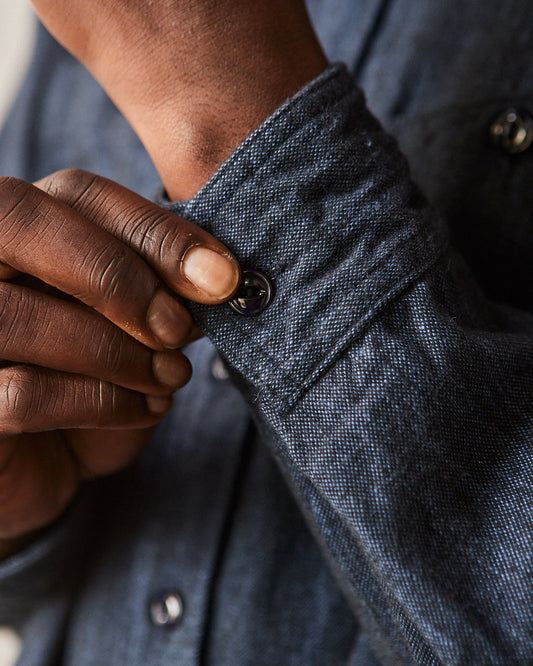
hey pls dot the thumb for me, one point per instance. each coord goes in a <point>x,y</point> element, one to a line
<point>193,263</point>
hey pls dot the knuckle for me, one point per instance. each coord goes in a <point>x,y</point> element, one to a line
<point>10,186</point>
<point>8,183</point>
<point>8,317</point>
<point>14,193</point>
<point>110,273</point>
<point>18,313</point>
<point>6,304</point>
<point>25,217</point>
<point>147,229</point>
<point>100,398</point>
<point>112,353</point>
<point>19,398</point>
<point>70,184</point>
<point>115,281</point>
<point>158,236</point>
<point>104,274</point>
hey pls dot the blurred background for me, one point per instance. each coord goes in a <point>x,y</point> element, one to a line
<point>16,40</point>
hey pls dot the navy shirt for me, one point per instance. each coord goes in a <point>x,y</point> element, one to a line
<point>357,489</point>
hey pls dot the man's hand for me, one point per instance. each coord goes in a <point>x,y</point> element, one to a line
<point>90,327</point>
<point>193,77</point>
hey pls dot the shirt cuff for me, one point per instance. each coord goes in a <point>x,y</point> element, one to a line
<point>319,200</point>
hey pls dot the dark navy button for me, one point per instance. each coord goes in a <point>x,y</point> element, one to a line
<point>512,131</point>
<point>253,295</point>
<point>166,610</point>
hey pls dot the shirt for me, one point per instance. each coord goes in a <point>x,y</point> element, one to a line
<point>359,490</point>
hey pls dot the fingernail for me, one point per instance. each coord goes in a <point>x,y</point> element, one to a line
<point>168,320</point>
<point>168,369</point>
<point>158,404</point>
<point>211,272</point>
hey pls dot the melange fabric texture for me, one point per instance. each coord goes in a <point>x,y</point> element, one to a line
<point>348,477</point>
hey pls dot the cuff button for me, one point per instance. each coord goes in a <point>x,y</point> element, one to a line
<point>254,294</point>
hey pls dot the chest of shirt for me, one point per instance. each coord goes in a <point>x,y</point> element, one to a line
<point>439,76</point>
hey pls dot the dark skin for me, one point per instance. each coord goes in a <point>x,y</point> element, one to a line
<point>193,77</point>
<point>86,378</point>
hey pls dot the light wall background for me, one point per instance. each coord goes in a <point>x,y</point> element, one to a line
<point>16,40</point>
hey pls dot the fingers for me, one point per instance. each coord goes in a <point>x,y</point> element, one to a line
<point>35,399</point>
<point>45,238</point>
<point>38,477</point>
<point>192,262</point>
<point>109,452</point>
<point>41,472</point>
<point>45,331</point>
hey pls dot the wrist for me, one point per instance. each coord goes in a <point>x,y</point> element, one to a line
<point>194,79</point>
<point>191,118</point>
<point>188,139</point>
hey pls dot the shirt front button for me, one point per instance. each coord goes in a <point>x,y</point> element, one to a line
<point>166,610</point>
<point>512,131</point>
<point>253,295</point>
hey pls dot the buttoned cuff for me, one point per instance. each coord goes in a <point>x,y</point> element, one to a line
<point>318,200</point>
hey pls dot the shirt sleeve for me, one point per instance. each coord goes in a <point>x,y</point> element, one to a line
<point>397,398</point>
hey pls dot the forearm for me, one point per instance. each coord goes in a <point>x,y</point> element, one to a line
<point>193,79</point>
<point>190,135</point>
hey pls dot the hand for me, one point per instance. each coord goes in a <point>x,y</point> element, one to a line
<point>90,328</point>
<point>193,77</point>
